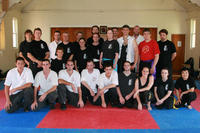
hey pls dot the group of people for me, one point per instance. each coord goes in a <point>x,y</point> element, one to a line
<point>129,71</point>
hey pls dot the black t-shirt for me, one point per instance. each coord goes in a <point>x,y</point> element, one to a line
<point>38,49</point>
<point>90,41</point>
<point>167,48</point>
<point>57,65</point>
<point>25,48</point>
<point>68,50</point>
<point>81,56</point>
<point>94,51</point>
<point>167,85</point>
<point>126,83</point>
<point>109,49</point>
<point>185,85</point>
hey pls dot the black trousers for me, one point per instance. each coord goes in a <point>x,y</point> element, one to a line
<point>111,97</point>
<point>168,103</point>
<point>64,94</point>
<point>50,99</point>
<point>21,99</point>
<point>146,96</point>
<point>188,98</point>
<point>87,96</point>
<point>34,68</point>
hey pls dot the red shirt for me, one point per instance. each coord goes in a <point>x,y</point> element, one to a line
<point>148,50</point>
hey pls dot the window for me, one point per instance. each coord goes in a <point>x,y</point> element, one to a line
<point>192,33</point>
<point>15,32</point>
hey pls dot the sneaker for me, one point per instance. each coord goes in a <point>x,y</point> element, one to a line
<point>52,106</point>
<point>63,106</point>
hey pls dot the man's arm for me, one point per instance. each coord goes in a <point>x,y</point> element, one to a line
<point>136,52</point>
<point>21,87</point>
<point>21,55</point>
<point>173,56</point>
<point>47,55</point>
<point>154,63</point>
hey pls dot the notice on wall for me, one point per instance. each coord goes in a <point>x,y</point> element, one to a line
<point>179,43</point>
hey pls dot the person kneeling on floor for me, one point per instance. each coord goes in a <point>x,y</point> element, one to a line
<point>163,90</point>
<point>108,81</point>
<point>69,87</point>
<point>46,81</point>
<point>126,86</point>
<point>142,90</point>
<point>18,87</point>
<point>89,79</point>
<point>186,85</point>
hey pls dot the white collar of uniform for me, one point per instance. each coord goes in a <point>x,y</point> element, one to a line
<point>57,43</point>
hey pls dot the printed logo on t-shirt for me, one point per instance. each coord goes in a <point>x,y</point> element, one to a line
<point>63,65</point>
<point>166,87</point>
<point>130,82</point>
<point>42,46</point>
<point>145,49</point>
<point>110,46</point>
<point>165,48</point>
<point>187,86</point>
<point>68,50</point>
<point>84,56</point>
<point>98,53</point>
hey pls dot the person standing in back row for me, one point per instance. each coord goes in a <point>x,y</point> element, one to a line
<point>149,53</point>
<point>95,29</point>
<point>53,45</point>
<point>167,53</point>
<point>37,52</point>
<point>128,49</point>
<point>110,51</point>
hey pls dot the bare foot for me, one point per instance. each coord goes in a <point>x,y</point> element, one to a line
<point>104,105</point>
<point>189,107</point>
<point>95,98</point>
<point>149,108</point>
<point>139,106</point>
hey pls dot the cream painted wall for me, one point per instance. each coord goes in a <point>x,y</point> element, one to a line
<point>74,13</point>
<point>8,55</point>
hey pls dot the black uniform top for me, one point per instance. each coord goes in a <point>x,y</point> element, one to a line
<point>167,48</point>
<point>145,85</point>
<point>81,56</point>
<point>126,83</point>
<point>90,41</point>
<point>123,53</point>
<point>57,65</point>
<point>38,49</point>
<point>167,85</point>
<point>95,51</point>
<point>185,85</point>
<point>25,48</point>
<point>68,50</point>
<point>110,48</point>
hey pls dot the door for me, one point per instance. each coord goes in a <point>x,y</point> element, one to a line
<point>179,42</point>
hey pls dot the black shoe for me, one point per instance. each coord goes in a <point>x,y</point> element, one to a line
<point>26,110</point>
<point>179,105</point>
<point>52,106</point>
<point>63,107</point>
